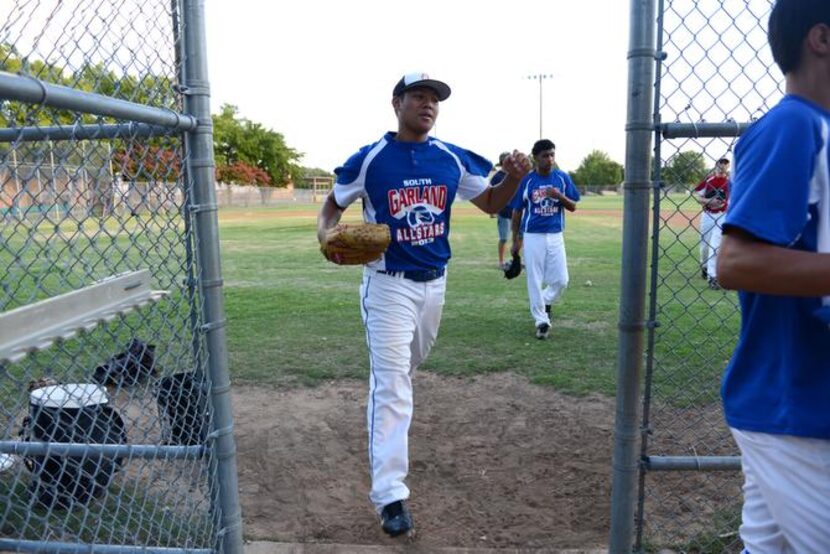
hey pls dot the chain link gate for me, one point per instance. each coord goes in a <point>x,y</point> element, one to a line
<point>712,75</point>
<point>114,388</point>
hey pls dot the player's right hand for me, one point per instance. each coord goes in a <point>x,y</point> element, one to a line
<point>517,164</point>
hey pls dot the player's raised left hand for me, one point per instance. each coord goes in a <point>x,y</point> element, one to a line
<point>516,164</point>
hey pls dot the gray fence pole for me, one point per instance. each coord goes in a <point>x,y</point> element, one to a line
<point>637,189</point>
<point>200,167</point>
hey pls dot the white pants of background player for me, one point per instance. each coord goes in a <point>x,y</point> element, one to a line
<point>401,318</point>
<point>786,493</point>
<point>710,237</point>
<point>545,264</point>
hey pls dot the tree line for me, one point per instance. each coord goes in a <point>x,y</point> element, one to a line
<point>245,151</point>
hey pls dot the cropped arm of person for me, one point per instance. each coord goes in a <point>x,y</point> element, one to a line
<point>328,218</point>
<point>494,198</point>
<point>746,263</point>
<point>514,226</point>
<point>557,194</point>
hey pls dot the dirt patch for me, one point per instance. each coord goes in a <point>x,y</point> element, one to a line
<point>495,462</point>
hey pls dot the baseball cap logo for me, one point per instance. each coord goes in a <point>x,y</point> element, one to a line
<point>411,80</point>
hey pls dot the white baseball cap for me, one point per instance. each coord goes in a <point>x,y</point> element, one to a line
<point>412,80</point>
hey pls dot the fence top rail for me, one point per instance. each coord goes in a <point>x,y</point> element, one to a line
<point>83,132</point>
<point>25,88</point>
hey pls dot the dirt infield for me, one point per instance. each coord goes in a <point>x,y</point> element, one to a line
<point>496,462</point>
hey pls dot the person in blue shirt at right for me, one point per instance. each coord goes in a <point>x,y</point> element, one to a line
<point>538,224</point>
<point>776,253</point>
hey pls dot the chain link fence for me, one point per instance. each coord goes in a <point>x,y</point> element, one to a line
<point>714,76</point>
<point>115,429</point>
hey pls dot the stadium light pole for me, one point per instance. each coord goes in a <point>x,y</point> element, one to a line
<point>540,77</point>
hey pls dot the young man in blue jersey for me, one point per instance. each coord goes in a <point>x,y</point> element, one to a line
<point>776,253</point>
<point>408,181</point>
<point>539,218</point>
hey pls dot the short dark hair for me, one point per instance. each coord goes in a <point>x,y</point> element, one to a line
<point>542,145</point>
<point>789,23</point>
<point>723,161</point>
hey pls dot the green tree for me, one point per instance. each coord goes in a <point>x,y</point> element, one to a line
<point>236,139</point>
<point>597,168</point>
<point>684,168</point>
<point>316,172</point>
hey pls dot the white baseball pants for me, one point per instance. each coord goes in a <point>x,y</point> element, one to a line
<point>786,493</point>
<point>710,237</point>
<point>401,318</point>
<point>545,264</point>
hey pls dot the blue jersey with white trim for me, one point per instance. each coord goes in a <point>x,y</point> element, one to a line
<point>543,214</point>
<point>778,379</point>
<point>411,186</point>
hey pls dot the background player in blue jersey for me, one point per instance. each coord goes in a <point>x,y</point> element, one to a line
<point>408,181</point>
<point>776,252</point>
<point>505,216</point>
<point>538,215</point>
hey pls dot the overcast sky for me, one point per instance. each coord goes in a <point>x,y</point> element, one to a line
<point>321,72</point>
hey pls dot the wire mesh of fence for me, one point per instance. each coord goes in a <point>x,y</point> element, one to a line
<point>715,76</point>
<point>106,426</point>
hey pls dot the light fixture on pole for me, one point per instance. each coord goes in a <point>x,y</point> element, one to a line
<point>540,77</point>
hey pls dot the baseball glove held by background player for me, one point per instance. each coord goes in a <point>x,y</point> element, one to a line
<point>514,269</point>
<point>356,244</point>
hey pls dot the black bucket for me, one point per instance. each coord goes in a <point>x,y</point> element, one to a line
<point>182,402</point>
<point>74,413</point>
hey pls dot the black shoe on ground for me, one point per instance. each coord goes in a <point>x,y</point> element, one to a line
<point>547,309</point>
<point>396,519</point>
<point>542,331</point>
<point>714,285</point>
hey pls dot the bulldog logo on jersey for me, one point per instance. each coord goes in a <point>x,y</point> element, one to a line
<point>419,203</point>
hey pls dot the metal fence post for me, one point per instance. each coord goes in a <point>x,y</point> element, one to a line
<point>637,188</point>
<point>200,167</point>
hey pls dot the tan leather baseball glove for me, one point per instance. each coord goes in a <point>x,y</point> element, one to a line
<point>356,244</point>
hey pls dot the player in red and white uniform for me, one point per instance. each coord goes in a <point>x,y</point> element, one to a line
<point>713,194</point>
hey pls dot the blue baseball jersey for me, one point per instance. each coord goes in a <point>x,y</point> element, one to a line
<point>541,213</point>
<point>411,186</point>
<point>506,212</point>
<point>778,380</point>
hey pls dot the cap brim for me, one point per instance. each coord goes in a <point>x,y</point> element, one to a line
<point>441,89</point>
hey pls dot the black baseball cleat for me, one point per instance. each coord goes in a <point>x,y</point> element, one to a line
<point>542,331</point>
<point>396,519</point>
<point>547,309</point>
<point>713,284</point>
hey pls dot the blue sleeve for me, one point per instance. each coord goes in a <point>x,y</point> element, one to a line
<point>349,171</point>
<point>472,162</point>
<point>774,163</point>
<point>570,189</point>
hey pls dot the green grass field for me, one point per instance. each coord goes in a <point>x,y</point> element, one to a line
<point>293,318</point>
